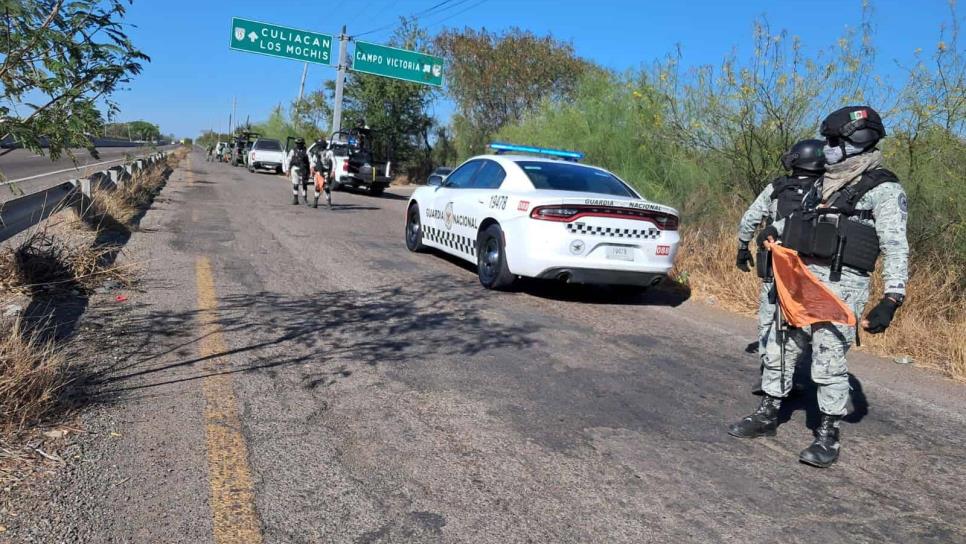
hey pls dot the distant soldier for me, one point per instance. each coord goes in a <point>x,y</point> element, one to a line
<point>805,164</point>
<point>857,211</point>
<point>298,160</point>
<point>321,162</point>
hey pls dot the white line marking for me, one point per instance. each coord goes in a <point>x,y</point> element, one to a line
<point>77,168</point>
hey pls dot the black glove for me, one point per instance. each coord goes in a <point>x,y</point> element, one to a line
<point>880,317</point>
<point>744,260</point>
<point>770,230</point>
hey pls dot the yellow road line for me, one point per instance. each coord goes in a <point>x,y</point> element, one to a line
<point>232,491</point>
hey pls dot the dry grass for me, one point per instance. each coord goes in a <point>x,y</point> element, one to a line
<point>32,374</point>
<point>121,208</point>
<point>929,327</point>
<point>45,263</point>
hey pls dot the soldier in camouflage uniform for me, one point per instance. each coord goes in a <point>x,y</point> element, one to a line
<point>783,196</point>
<point>856,188</point>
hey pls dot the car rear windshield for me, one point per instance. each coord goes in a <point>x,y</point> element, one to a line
<point>268,145</point>
<point>563,176</point>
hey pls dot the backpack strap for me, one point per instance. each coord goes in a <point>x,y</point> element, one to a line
<point>847,198</point>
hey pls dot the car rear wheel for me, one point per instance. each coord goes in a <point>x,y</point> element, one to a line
<point>414,230</point>
<point>376,190</point>
<point>491,259</point>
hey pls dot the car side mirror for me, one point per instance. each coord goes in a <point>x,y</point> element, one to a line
<point>435,180</point>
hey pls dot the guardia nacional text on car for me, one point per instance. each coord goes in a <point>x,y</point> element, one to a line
<point>539,213</point>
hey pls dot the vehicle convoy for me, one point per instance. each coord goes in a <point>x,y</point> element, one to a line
<point>240,147</point>
<point>353,164</point>
<point>535,212</point>
<point>266,154</point>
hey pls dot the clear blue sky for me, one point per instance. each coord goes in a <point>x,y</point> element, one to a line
<point>193,75</point>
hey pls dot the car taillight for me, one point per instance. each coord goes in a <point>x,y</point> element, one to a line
<point>345,166</point>
<point>561,213</point>
<point>253,155</point>
<point>666,221</point>
<point>554,213</point>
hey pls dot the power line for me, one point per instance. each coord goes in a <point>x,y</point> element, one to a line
<point>415,15</point>
<point>450,16</point>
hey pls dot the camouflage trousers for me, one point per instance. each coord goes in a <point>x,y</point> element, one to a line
<point>829,344</point>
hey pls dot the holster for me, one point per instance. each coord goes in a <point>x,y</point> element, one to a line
<point>763,264</point>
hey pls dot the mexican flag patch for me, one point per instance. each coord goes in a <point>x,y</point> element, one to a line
<point>859,114</point>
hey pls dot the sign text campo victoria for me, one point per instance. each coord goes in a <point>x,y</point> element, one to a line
<point>280,41</point>
<point>385,61</point>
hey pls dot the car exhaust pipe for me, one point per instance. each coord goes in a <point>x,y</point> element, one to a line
<point>657,280</point>
<point>564,277</point>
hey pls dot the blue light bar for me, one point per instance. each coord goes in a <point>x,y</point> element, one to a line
<point>501,148</point>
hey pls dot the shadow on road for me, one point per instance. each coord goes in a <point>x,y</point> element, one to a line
<point>806,399</point>
<point>665,294</point>
<point>327,333</point>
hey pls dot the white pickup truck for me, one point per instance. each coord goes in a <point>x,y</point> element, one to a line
<point>266,154</point>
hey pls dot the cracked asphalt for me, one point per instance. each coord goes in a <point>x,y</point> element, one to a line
<point>384,396</point>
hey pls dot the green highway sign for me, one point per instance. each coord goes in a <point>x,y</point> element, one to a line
<point>371,58</point>
<point>280,41</point>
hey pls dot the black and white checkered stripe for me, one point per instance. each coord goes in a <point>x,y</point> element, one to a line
<point>463,244</point>
<point>582,228</point>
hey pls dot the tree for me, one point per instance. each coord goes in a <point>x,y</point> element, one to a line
<point>277,126</point>
<point>495,79</point>
<point>59,59</point>
<point>143,130</point>
<point>136,130</point>
<point>209,137</point>
<point>745,114</point>
<point>312,115</point>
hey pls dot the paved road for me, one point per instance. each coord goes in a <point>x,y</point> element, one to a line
<point>22,163</point>
<point>295,375</point>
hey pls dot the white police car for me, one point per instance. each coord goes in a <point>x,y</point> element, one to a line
<point>535,212</point>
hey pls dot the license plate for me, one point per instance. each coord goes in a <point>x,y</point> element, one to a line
<point>620,253</point>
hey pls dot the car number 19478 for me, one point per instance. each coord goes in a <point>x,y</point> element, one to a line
<point>498,202</point>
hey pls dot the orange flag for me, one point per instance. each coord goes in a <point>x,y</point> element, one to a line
<point>804,299</point>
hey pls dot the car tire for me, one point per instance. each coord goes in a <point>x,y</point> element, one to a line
<point>491,259</point>
<point>376,190</point>
<point>414,230</point>
<point>251,169</point>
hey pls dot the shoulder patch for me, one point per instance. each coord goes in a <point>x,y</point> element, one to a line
<point>903,203</point>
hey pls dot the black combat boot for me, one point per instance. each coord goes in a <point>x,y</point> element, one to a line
<point>763,422</point>
<point>824,451</point>
<point>295,198</point>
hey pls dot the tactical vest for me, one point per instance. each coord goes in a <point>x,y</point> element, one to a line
<point>789,193</point>
<point>828,233</point>
<point>300,159</point>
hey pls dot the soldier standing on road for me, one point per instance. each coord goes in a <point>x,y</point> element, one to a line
<point>321,162</point>
<point>857,211</point>
<point>298,165</point>
<point>778,200</point>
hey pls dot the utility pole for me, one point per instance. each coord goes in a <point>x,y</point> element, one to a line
<point>340,80</point>
<point>234,118</point>
<point>305,71</point>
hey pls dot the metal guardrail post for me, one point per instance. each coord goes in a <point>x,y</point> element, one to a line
<point>102,180</point>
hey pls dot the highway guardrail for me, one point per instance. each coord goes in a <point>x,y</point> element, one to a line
<point>22,213</point>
